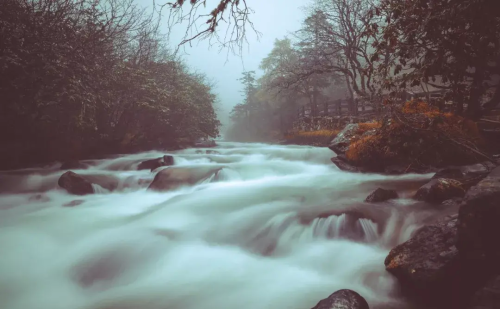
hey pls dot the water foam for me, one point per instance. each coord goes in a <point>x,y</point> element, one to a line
<point>238,239</point>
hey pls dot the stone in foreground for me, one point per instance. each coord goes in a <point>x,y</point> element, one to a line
<point>427,264</point>
<point>440,190</point>
<point>343,299</point>
<point>381,195</point>
<point>479,227</point>
<point>75,184</point>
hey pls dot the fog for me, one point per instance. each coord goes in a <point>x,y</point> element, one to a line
<point>273,19</point>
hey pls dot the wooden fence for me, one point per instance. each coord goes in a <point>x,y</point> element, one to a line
<point>337,108</point>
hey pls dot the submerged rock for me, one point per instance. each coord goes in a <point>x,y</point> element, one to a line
<point>108,182</point>
<point>479,227</point>
<point>343,299</point>
<point>41,197</point>
<point>205,144</point>
<point>75,184</point>
<point>212,152</point>
<point>73,203</point>
<point>84,184</point>
<point>340,144</point>
<point>439,190</point>
<point>427,265</point>
<point>153,164</point>
<point>381,195</point>
<point>174,177</point>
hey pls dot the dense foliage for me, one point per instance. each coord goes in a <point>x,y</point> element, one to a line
<point>88,77</point>
<point>452,45</point>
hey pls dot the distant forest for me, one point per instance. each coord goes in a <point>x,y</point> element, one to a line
<point>374,52</point>
<point>82,78</point>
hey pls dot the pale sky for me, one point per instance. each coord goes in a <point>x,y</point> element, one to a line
<point>273,18</point>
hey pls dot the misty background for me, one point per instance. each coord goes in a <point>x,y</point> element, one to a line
<point>272,19</point>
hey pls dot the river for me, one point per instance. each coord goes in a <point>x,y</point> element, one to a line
<point>281,228</point>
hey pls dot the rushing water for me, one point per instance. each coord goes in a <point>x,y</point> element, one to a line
<point>277,227</point>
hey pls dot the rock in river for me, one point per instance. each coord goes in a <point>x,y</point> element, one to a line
<point>75,184</point>
<point>205,143</point>
<point>340,144</point>
<point>174,177</point>
<point>427,264</point>
<point>439,190</point>
<point>344,166</point>
<point>84,184</point>
<point>381,195</point>
<point>469,174</point>
<point>479,227</point>
<point>343,299</point>
<point>73,203</point>
<point>153,164</point>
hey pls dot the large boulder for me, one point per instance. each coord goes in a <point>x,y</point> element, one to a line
<point>439,190</point>
<point>75,184</point>
<point>343,299</point>
<point>468,175</point>
<point>381,195</point>
<point>84,184</point>
<point>479,227</point>
<point>427,265</point>
<point>340,144</point>
<point>174,177</point>
<point>153,164</point>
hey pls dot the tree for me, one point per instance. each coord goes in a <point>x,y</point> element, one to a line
<point>90,77</point>
<point>284,72</point>
<point>342,26</point>
<point>452,45</point>
<point>203,24</point>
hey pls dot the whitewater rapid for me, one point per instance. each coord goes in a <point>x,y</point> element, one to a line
<point>281,227</point>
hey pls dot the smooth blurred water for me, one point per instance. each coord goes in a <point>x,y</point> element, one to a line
<point>278,227</point>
